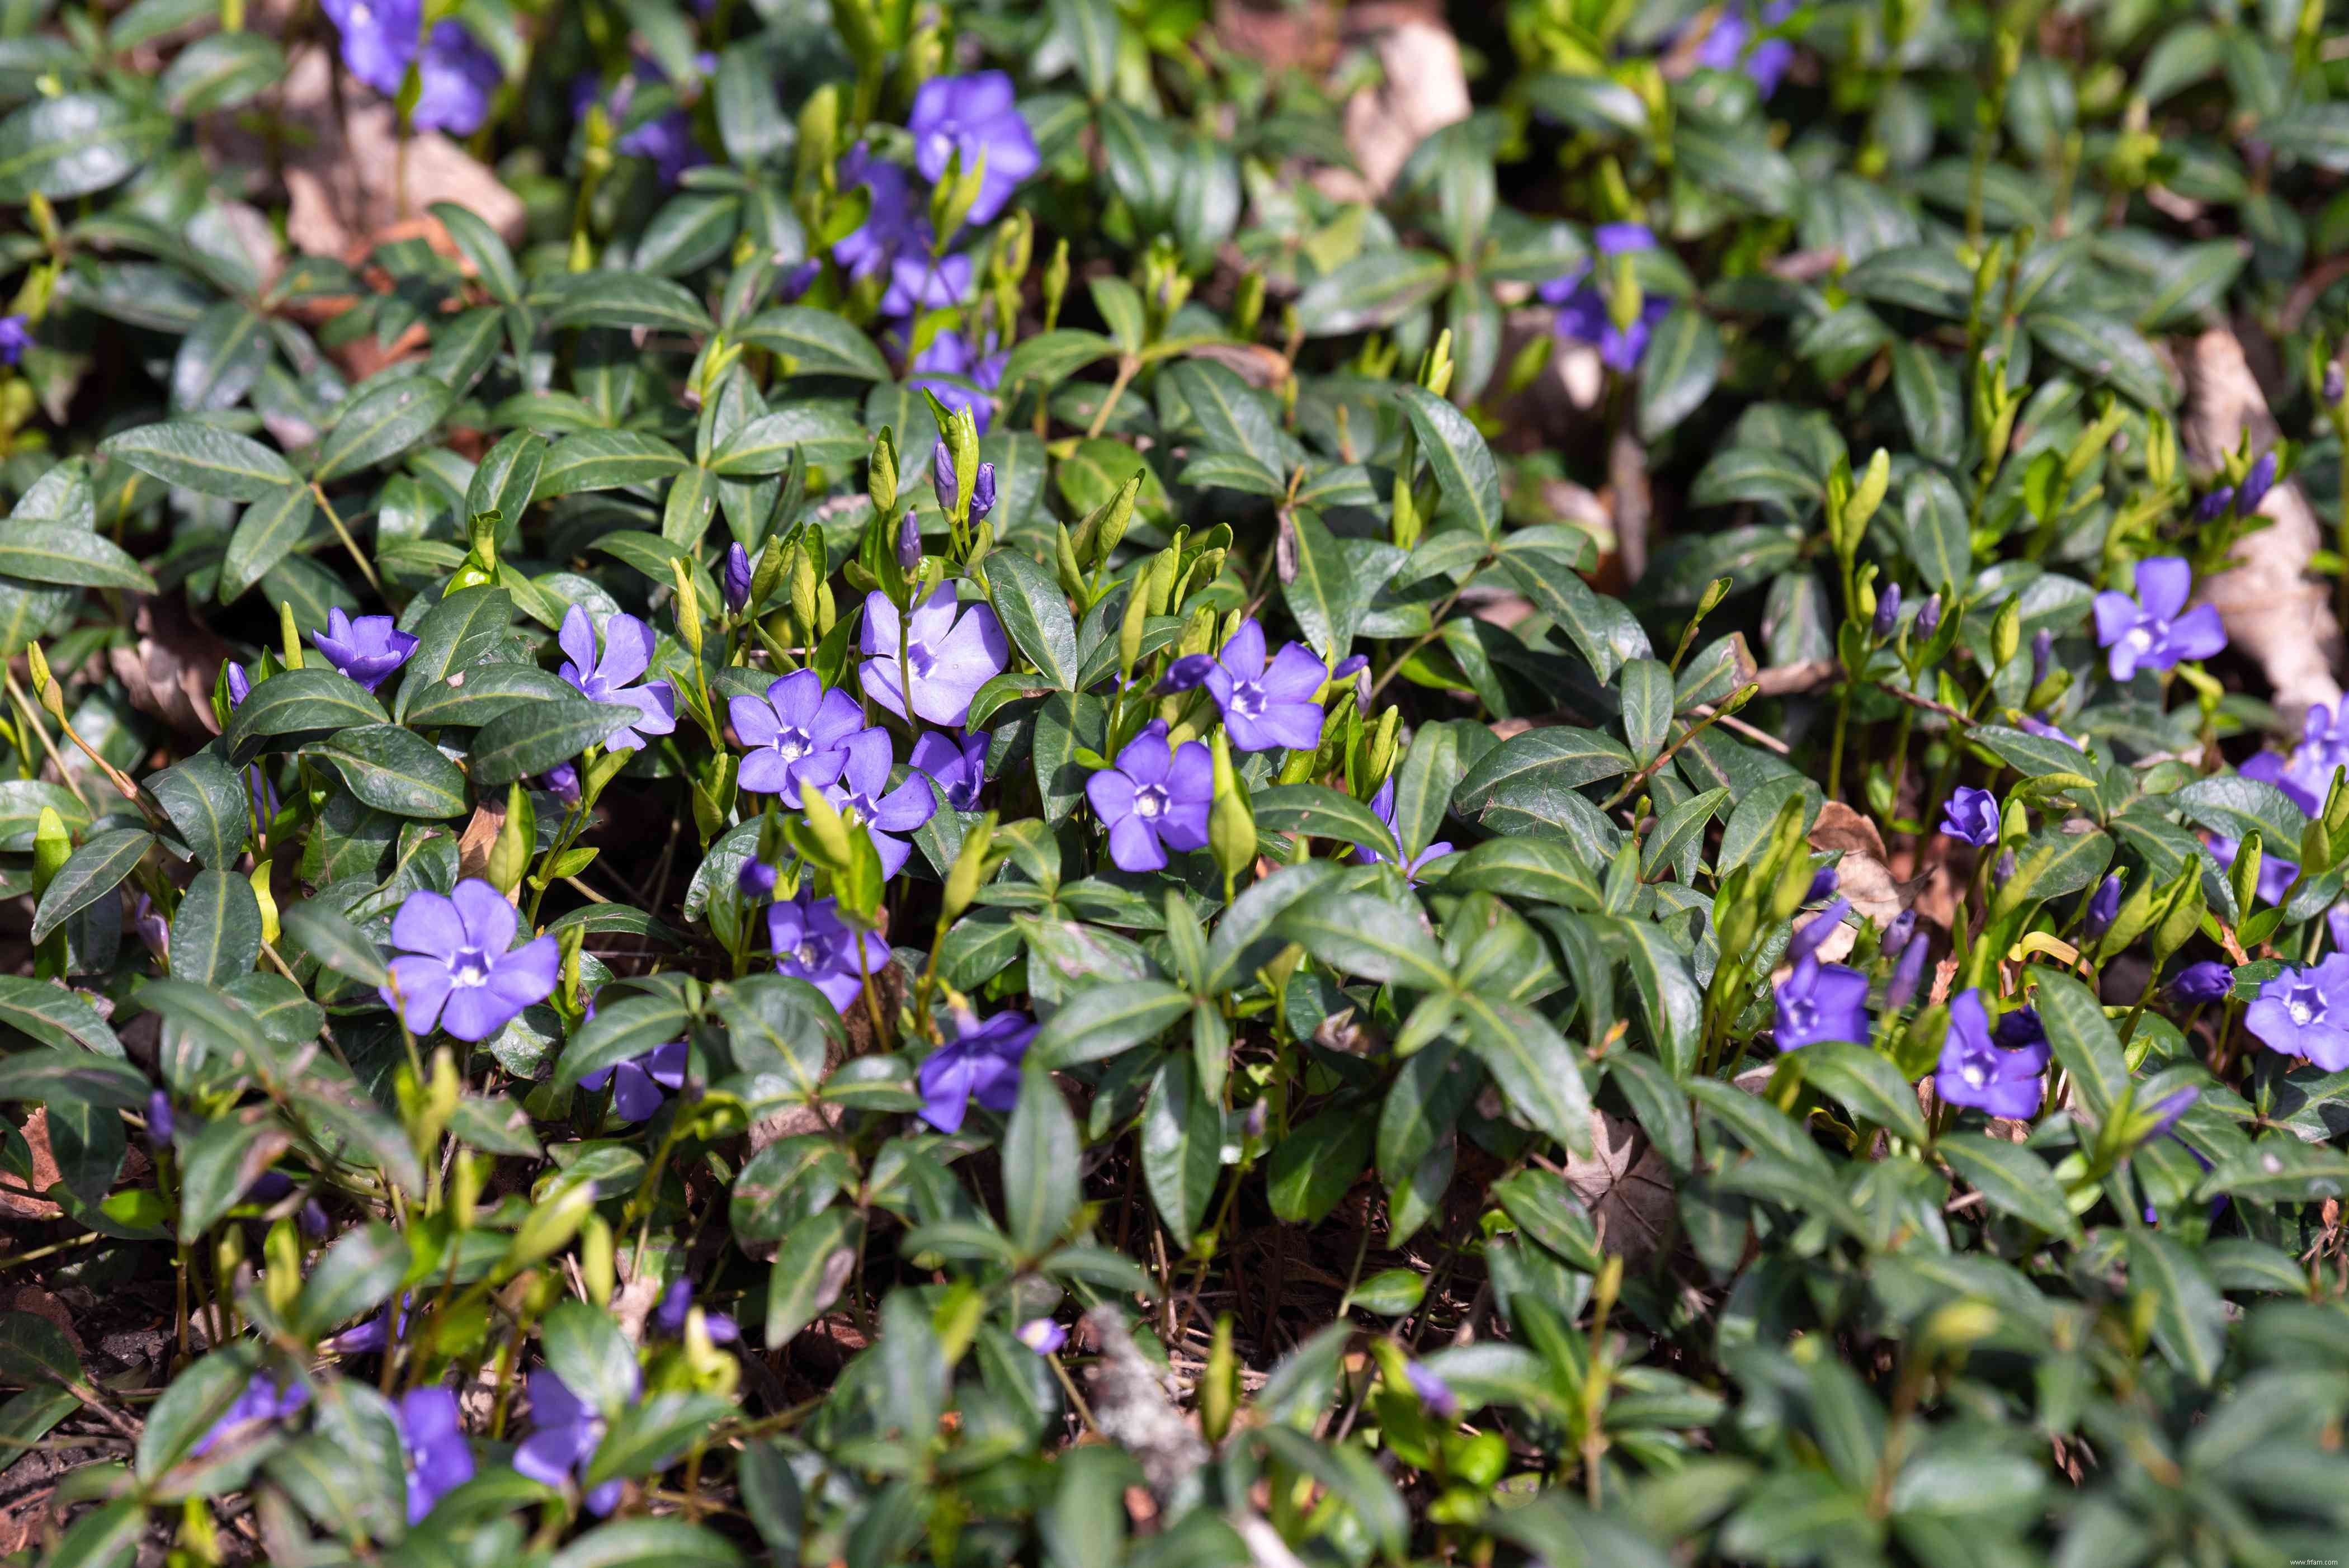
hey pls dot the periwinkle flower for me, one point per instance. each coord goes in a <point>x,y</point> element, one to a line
<point>240,685</point>
<point>909,542</point>
<point>160,1123</point>
<point>1724,48</point>
<point>756,878</point>
<point>432,1435</point>
<point>2256,485</point>
<point>812,943</point>
<point>1929,615</point>
<point>1433,1392</point>
<point>1988,1074</point>
<point>1185,673</point>
<point>920,281</point>
<point>2043,654</point>
<point>264,1399</point>
<point>886,814</point>
<point>2204,983</point>
<point>378,38</point>
<point>456,75</point>
<point>1156,798</point>
<point>16,336</point>
<point>953,651</point>
<point>1042,1335</point>
<point>796,734</point>
<point>2306,776</point>
<point>1268,707</point>
<point>960,375</point>
<point>384,1327</point>
<point>1582,312</point>
<point>893,223</point>
<point>677,1308</point>
<point>1823,884</point>
<point>664,140</point>
<point>2336,382</point>
<point>1970,816</point>
<point>628,655</point>
<point>1804,943</point>
<point>735,583</point>
<point>959,767</point>
<point>981,1063</point>
<point>2047,731</point>
<point>1822,1001</point>
<point>1908,973</point>
<point>565,1433</point>
<point>454,967</point>
<point>1896,936</point>
<point>561,781</point>
<point>2306,1013</point>
<point>976,116</point>
<point>2103,908</point>
<point>154,932</point>
<point>1382,807</point>
<point>1888,612</point>
<point>637,1083</point>
<point>367,649</point>
<point>2149,632</point>
<point>946,483</point>
<point>2213,507</point>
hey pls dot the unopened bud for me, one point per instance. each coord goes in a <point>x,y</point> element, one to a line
<point>1888,612</point>
<point>909,543</point>
<point>736,579</point>
<point>1907,974</point>
<point>1929,616</point>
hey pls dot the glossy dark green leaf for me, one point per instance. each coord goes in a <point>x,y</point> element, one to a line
<point>307,701</point>
<point>379,424</point>
<point>2012,1179</point>
<point>454,634</point>
<point>1360,933</point>
<point>817,342</point>
<point>1458,456</point>
<point>1376,289</point>
<point>317,928</point>
<point>606,459</point>
<point>90,873</point>
<point>1041,1158</point>
<point>202,458</point>
<point>1318,811</point>
<point>624,299</point>
<point>1312,1167</point>
<point>270,527</point>
<point>471,697</point>
<point>1035,615</point>
<point>1104,1020</point>
<point>534,736</point>
<point>216,931</point>
<point>77,143</point>
<point>1181,1148</point>
<point>61,1019</point>
<point>812,1266</point>
<point>1679,370</point>
<point>395,770</point>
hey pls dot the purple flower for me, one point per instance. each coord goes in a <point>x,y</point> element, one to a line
<point>2043,654</point>
<point>1433,1392</point>
<point>1582,314</point>
<point>1929,615</point>
<point>795,735</point>
<point>1805,943</point>
<point>2306,1013</point>
<point>2047,731</point>
<point>2200,983</point>
<point>981,1063</point>
<point>757,878</point>
<point>2149,632</point>
<point>627,653</point>
<point>677,1307</point>
<point>16,336</point>
<point>1971,815</point>
<point>1154,798</point>
<point>1042,1335</point>
<point>2307,775</point>
<point>1724,48</point>
<point>160,1122</point>
<point>812,943</point>
<point>240,685</point>
<point>372,1335</point>
<point>892,223</point>
<point>1822,1001</point>
<point>2103,908</point>
<point>863,788</point>
<point>378,38</point>
<point>1266,709</point>
<point>367,649</point>
<point>959,767</point>
<point>2256,485</point>
<point>974,115</point>
<point>1896,936</point>
<point>1989,1074</point>
<point>1907,972</point>
<point>944,482</point>
<point>454,967</point>
<point>953,652</point>
<point>154,931</point>
<point>799,280</point>
<point>263,1399</point>
<point>663,139</point>
<point>637,1083</point>
<point>565,1432</point>
<point>1823,884</point>
<point>959,376</point>
<point>561,781</point>
<point>2213,507</point>
<point>439,1458</point>
<point>735,582</point>
<point>456,75</point>
<point>920,281</point>
<point>2168,1111</point>
<point>1382,806</point>
<point>1888,612</point>
<point>1185,673</point>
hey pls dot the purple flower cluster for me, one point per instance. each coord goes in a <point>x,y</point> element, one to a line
<point>1970,816</point>
<point>975,116</point>
<point>1582,314</point>
<point>628,655</point>
<point>2306,1013</point>
<point>981,1063</point>
<point>2154,630</point>
<point>1724,47</point>
<point>795,735</point>
<point>2306,775</point>
<point>1820,1001</point>
<point>455,969</point>
<point>637,1083</point>
<point>456,74</point>
<point>665,139</point>
<point>1998,1072</point>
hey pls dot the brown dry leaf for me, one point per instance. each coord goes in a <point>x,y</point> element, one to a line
<point>1259,365</point>
<point>480,833</point>
<point>2272,609</point>
<point>1425,89</point>
<point>1861,875</point>
<point>16,1200</point>
<point>1278,36</point>
<point>169,672</point>
<point>1627,1187</point>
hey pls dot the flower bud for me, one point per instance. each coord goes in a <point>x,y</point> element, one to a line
<point>159,1118</point>
<point>1907,974</point>
<point>2104,906</point>
<point>1929,616</point>
<point>1897,935</point>
<point>1820,926</point>
<point>2213,507</point>
<point>909,543</point>
<point>1185,673</point>
<point>2256,485</point>
<point>735,582</point>
<point>1888,612</point>
<point>2043,650</point>
<point>756,878</point>
<point>942,476</point>
<point>1823,884</point>
<point>2335,383</point>
<point>240,684</point>
<point>2209,980</point>
<point>982,492</point>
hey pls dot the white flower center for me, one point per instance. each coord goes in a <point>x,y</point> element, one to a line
<point>1150,800</point>
<point>794,743</point>
<point>2138,639</point>
<point>804,956</point>
<point>1247,700</point>
<point>472,969</point>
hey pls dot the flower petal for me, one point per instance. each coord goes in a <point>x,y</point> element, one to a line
<point>628,650</point>
<point>428,923</point>
<point>2162,585</point>
<point>577,638</point>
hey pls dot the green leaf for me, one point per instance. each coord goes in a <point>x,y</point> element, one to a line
<point>219,1162</point>
<point>1670,999</point>
<point>356,1274</point>
<point>585,1348</point>
<point>1103,1020</point>
<point>1320,812</point>
<point>1545,561</point>
<point>476,694</point>
<point>818,342</point>
<point>1536,1070</point>
<point>2084,1040</point>
<point>454,634</point>
<point>216,932</point>
<point>493,263</point>
<point>56,1018</point>
<point>323,932</point>
<point>625,299</point>
<point>1679,370</point>
<point>507,476</point>
<point>1313,1167</point>
<point>1181,1148</point>
<point>811,1267</point>
<point>1329,583</point>
<point>1937,538</point>
<point>90,873</point>
<point>207,803</point>
<point>1050,357</point>
<point>77,143</point>
<point>606,459</point>
<point>621,1031</point>
<point>1926,277</point>
<point>1591,102</point>
<point>1035,615</point>
<point>1932,405</point>
<point>1457,454</point>
<point>1360,933</point>
<point>1092,32</point>
<point>2012,1179</point>
<point>1065,723</point>
<point>379,424</point>
<point>307,701</point>
<point>1352,1476</point>
<point>2190,1318</point>
<point>269,529</point>
<point>202,458</point>
<point>60,553</point>
<point>535,736</point>
<point>218,362</point>
<point>1648,700</point>
<point>2107,348</point>
<point>660,1542</point>
<point>1526,772</point>
<point>1546,868</point>
<point>824,432</point>
<point>1867,1084</point>
<point>1376,289</point>
<point>1040,1160</point>
<point>395,770</point>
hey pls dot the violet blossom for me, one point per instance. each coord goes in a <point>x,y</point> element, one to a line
<point>887,815</point>
<point>664,140</point>
<point>240,685</point>
<point>628,655</point>
<point>1908,973</point>
<point>455,74</point>
<point>945,482</point>
<point>1724,48</point>
<point>892,223</point>
<point>974,115</point>
<point>2256,484</point>
<point>961,377</point>
<point>2306,775</point>
<point>264,1399</point>
<point>2149,632</point>
<point>2104,906</point>
<point>455,968</point>
<point>432,1435</point>
<point>16,336</point>
<point>981,1063</point>
<point>161,1124</point>
<point>1042,1335</point>
<point>1267,707</point>
<point>735,581</point>
<point>1804,943</point>
<point>1582,313</point>
<point>676,1309</point>
<point>567,1431</point>
<point>636,1083</point>
<point>954,651</point>
<point>1822,1001</point>
<point>794,735</point>
<point>2306,1013</point>
<point>367,649</point>
<point>920,281</point>
<point>1970,816</point>
<point>2202,983</point>
<point>1434,1394</point>
<point>2213,507</point>
<point>812,943</point>
<point>959,767</point>
<point>1382,806</point>
<point>1154,798</point>
<point>1988,1074</point>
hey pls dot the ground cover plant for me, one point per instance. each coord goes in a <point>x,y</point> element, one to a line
<point>1095,783</point>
